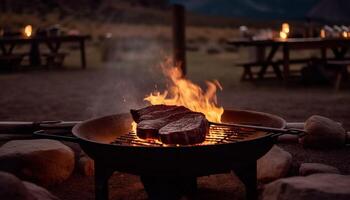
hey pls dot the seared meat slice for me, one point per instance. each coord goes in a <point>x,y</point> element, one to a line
<point>164,113</point>
<point>137,114</point>
<point>170,124</point>
<point>149,129</point>
<point>189,129</point>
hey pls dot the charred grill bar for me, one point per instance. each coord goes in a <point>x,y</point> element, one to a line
<point>217,135</point>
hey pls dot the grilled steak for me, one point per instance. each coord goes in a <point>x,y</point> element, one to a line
<point>150,128</point>
<point>137,114</point>
<point>181,126</point>
<point>164,113</point>
<point>190,129</point>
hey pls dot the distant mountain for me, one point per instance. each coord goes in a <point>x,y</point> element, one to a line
<point>258,9</point>
<point>77,6</point>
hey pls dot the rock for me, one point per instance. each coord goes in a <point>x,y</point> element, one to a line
<point>86,166</point>
<point>313,187</point>
<point>288,138</point>
<point>38,192</point>
<point>220,186</point>
<point>323,133</point>
<point>274,165</point>
<point>296,125</point>
<point>13,188</point>
<point>313,168</point>
<point>42,161</point>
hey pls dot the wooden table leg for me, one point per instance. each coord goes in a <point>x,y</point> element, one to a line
<point>324,54</point>
<point>7,51</point>
<point>179,37</point>
<point>339,53</point>
<point>82,54</point>
<point>267,61</point>
<point>286,69</point>
<point>34,55</point>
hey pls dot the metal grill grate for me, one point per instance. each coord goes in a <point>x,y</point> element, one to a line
<point>217,135</point>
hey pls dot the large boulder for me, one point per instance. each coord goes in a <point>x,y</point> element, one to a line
<point>288,138</point>
<point>38,192</point>
<point>12,188</point>
<point>313,187</point>
<point>313,168</point>
<point>274,165</point>
<point>220,186</point>
<point>323,132</point>
<point>42,161</point>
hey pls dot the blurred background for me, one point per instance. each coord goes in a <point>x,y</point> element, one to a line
<point>125,41</point>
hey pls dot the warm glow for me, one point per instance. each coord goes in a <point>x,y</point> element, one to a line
<point>182,92</point>
<point>283,35</point>
<point>133,126</point>
<point>285,28</point>
<point>323,33</point>
<point>345,34</point>
<point>28,31</point>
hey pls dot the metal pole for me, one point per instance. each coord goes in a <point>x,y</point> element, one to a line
<point>179,38</point>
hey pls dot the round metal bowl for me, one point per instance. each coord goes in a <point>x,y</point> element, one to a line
<point>96,135</point>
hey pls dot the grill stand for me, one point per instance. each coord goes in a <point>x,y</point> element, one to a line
<point>102,175</point>
<point>247,174</point>
<point>173,187</point>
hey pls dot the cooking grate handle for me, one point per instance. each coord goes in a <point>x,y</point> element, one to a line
<point>277,131</point>
<point>45,135</point>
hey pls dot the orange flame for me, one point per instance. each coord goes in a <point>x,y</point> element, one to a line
<point>182,92</point>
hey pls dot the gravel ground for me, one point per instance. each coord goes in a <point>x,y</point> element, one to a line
<point>81,94</point>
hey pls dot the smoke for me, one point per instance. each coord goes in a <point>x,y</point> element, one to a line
<point>130,73</point>
<point>131,53</point>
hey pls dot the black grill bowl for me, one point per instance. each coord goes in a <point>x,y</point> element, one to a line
<point>96,136</point>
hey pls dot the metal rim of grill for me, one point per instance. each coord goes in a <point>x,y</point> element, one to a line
<point>217,135</point>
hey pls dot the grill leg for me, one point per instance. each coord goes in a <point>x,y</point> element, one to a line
<point>168,187</point>
<point>247,174</point>
<point>102,176</point>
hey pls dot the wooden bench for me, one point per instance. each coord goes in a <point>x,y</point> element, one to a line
<point>11,61</point>
<point>248,73</point>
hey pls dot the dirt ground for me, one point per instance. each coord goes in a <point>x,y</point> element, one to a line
<point>74,94</point>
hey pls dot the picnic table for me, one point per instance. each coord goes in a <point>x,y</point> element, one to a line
<point>339,47</point>
<point>8,44</point>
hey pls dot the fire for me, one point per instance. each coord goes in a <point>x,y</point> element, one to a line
<point>133,127</point>
<point>28,31</point>
<point>183,92</point>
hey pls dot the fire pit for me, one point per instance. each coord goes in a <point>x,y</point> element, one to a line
<point>169,171</point>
